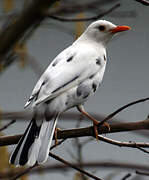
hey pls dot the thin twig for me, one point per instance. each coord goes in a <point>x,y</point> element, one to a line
<point>73,166</point>
<point>23,172</point>
<point>59,143</point>
<point>105,165</point>
<point>144,2</point>
<point>74,8</point>
<point>7,125</point>
<point>141,149</point>
<point>83,19</point>
<point>121,109</point>
<point>142,173</point>
<point>126,176</point>
<point>124,144</point>
<point>138,145</point>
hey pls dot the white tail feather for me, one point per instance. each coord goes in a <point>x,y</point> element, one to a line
<point>34,149</point>
<point>46,135</point>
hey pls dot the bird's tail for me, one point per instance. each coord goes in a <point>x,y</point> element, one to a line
<point>35,144</point>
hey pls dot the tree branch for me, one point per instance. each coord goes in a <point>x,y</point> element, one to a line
<point>126,176</point>
<point>137,145</point>
<point>33,14</point>
<point>7,125</point>
<point>75,8</point>
<point>142,173</point>
<point>28,17</point>
<point>83,19</point>
<point>110,116</point>
<point>144,2</point>
<point>22,172</point>
<point>57,167</point>
<point>88,131</point>
<point>73,166</point>
<point>123,144</point>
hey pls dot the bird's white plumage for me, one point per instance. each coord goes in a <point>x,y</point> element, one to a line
<point>72,77</point>
<point>65,75</point>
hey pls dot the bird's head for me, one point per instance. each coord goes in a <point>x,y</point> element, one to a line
<point>102,31</point>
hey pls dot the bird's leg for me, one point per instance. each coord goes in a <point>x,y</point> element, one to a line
<point>95,122</point>
<point>55,135</point>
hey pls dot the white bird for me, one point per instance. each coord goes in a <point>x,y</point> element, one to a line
<point>72,77</point>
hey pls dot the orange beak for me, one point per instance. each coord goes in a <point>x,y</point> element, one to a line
<point>120,29</point>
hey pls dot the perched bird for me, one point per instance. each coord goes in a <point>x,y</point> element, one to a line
<point>71,78</point>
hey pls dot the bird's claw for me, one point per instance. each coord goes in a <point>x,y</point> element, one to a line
<point>96,124</point>
<point>107,125</point>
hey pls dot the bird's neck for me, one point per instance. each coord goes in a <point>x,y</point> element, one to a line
<point>86,40</point>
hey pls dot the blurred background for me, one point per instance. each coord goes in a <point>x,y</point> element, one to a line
<point>125,80</point>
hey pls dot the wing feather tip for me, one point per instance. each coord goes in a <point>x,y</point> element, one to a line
<point>27,104</point>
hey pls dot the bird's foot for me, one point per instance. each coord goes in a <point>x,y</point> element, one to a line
<point>107,125</point>
<point>96,124</point>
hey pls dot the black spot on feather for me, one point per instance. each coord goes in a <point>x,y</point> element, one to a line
<point>98,61</point>
<point>91,76</point>
<point>70,59</point>
<point>66,103</point>
<point>94,86</point>
<point>79,91</point>
<point>54,64</point>
<point>83,90</point>
<point>104,57</point>
<point>56,61</point>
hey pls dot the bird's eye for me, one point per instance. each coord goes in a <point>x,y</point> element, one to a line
<point>101,28</point>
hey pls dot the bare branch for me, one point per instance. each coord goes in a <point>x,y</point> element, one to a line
<point>142,173</point>
<point>57,167</point>
<point>7,125</point>
<point>59,143</point>
<point>22,172</point>
<point>88,131</point>
<point>122,108</point>
<point>141,149</point>
<point>144,2</point>
<point>73,166</point>
<point>31,15</point>
<point>126,176</point>
<point>26,115</point>
<point>124,144</point>
<point>74,8</point>
<point>137,145</point>
<point>83,19</point>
